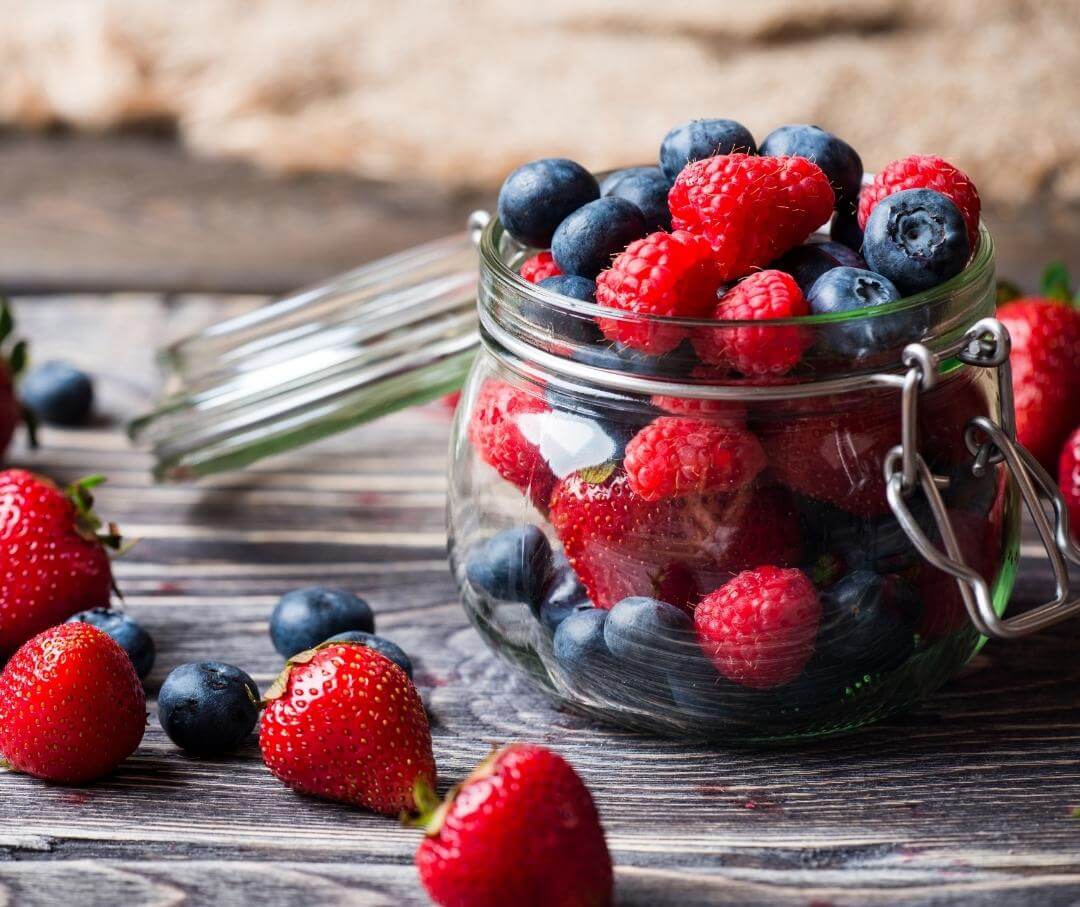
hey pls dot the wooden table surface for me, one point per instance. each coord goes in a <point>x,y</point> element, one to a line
<point>967,799</point>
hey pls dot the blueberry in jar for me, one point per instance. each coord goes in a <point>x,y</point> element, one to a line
<point>564,595</point>
<point>868,620</point>
<point>836,158</point>
<point>646,187</point>
<point>579,645</point>
<point>916,238</point>
<point>538,196</point>
<point>806,263</point>
<point>514,565</point>
<point>700,139</point>
<point>646,632</point>
<point>566,326</point>
<point>588,239</point>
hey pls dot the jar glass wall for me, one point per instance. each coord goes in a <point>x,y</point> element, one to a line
<point>539,462</point>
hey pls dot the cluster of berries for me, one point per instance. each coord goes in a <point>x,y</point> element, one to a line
<point>343,721</point>
<point>719,231</point>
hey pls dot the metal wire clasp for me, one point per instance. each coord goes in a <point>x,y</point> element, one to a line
<point>986,345</point>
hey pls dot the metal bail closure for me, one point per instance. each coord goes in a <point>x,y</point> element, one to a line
<point>986,345</point>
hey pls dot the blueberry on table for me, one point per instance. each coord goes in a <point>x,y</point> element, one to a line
<point>130,636</point>
<point>207,708</point>
<point>587,240</point>
<point>383,646</point>
<point>917,238</point>
<point>849,290</point>
<point>514,565</point>
<point>649,633</point>
<point>58,394</point>
<point>806,263</point>
<point>700,139</point>
<point>836,158</point>
<point>564,595</point>
<point>538,196</point>
<point>304,618</point>
<point>646,187</point>
<point>869,620</point>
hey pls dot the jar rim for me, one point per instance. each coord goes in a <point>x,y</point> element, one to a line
<point>492,260</point>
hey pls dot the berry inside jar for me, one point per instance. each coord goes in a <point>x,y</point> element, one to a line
<point>668,499</point>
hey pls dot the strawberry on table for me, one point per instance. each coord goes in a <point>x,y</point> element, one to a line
<point>750,209</point>
<point>1069,480</point>
<point>71,705</point>
<point>522,829</point>
<point>343,722</point>
<point>56,559</point>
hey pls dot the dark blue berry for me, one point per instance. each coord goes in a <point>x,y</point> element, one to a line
<point>849,542</point>
<point>565,326</point>
<point>845,290</point>
<point>679,363</point>
<point>383,646</point>
<point>538,196</point>
<point>208,708</point>
<point>645,631</point>
<point>579,645</point>
<point>806,263</point>
<point>917,238</point>
<point>564,595</point>
<point>587,241</point>
<point>571,285</point>
<point>646,187</point>
<point>58,394</point>
<point>845,230</point>
<point>869,620</point>
<point>130,636</point>
<point>836,158</point>
<point>700,139</point>
<point>304,618</point>
<point>514,565</point>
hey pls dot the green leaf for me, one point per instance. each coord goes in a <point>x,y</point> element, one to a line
<point>7,320</point>
<point>597,475</point>
<point>17,359</point>
<point>1055,282</point>
<point>30,420</point>
<point>1075,813</point>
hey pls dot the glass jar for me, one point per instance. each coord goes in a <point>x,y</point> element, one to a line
<point>621,619</point>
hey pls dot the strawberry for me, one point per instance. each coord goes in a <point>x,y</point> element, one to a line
<point>1069,480</point>
<point>750,209</point>
<point>56,561</point>
<point>495,433</point>
<point>71,705</point>
<point>1045,366</point>
<point>522,829</point>
<point>343,722</point>
<point>11,411</point>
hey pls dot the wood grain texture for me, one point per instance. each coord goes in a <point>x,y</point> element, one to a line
<point>967,799</point>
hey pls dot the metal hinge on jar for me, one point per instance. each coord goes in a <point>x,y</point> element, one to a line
<point>986,345</point>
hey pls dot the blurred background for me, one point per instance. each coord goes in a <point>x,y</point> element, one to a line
<point>234,146</point>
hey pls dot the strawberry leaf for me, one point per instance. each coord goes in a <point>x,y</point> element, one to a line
<point>7,322</point>
<point>30,420</point>
<point>1007,292</point>
<point>17,359</point>
<point>1055,282</point>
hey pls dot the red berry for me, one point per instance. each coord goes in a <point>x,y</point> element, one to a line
<point>765,350</point>
<point>924,171</point>
<point>54,563</point>
<point>677,456</point>
<point>343,722</point>
<point>664,274</point>
<point>1046,373</point>
<point>540,267</point>
<point>495,433</point>
<point>759,627</point>
<point>750,209</point>
<point>522,829</point>
<point>71,705</point>
<point>1069,480</point>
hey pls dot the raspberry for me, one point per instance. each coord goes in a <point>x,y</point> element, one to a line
<point>540,267</point>
<point>766,350</point>
<point>759,627</point>
<point>924,171</point>
<point>494,432</point>
<point>750,209</point>
<point>665,274</point>
<point>674,457</point>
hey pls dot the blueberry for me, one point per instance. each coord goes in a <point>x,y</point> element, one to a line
<point>916,238</point>
<point>208,708</point>
<point>585,243</point>
<point>566,326</point>
<point>58,394</point>
<point>647,632</point>
<point>646,187</point>
<point>874,543</point>
<point>515,565</point>
<point>837,159</point>
<point>538,196</point>
<point>845,290</point>
<point>700,139</point>
<point>564,595</point>
<point>304,618</point>
<point>616,357</point>
<point>579,644</point>
<point>806,263</point>
<point>130,636</point>
<point>845,230</point>
<point>869,620</point>
<point>383,646</point>
<point>573,286</point>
